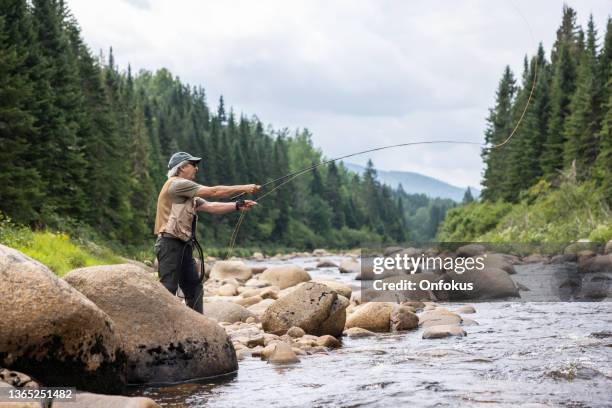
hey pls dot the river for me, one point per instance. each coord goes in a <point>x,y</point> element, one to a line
<point>539,354</point>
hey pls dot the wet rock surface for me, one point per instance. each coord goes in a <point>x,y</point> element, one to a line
<point>51,331</point>
<point>164,340</point>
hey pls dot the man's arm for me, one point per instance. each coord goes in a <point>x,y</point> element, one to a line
<point>226,191</point>
<point>224,208</point>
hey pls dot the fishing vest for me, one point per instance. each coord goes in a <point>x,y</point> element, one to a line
<point>175,216</point>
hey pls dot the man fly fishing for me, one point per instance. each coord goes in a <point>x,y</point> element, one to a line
<point>175,224</point>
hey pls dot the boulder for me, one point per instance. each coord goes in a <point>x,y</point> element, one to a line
<point>580,245</point>
<point>257,256</point>
<point>312,306</point>
<point>54,333</point>
<point>258,309</point>
<point>599,263</point>
<point>231,269</point>
<point>165,341</point>
<point>562,258</point>
<point>226,312</point>
<point>397,295</point>
<point>227,289</point>
<point>500,261</point>
<point>471,250</point>
<point>283,354</point>
<point>88,400</point>
<point>284,276</point>
<point>372,316</point>
<point>329,341</point>
<point>349,266</point>
<point>441,331</point>
<point>535,258</point>
<point>338,287</point>
<point>403,318</point>
<point>320,252</point>
<point>296,332</point>
<point>608,248</point>
<point>490,283</point>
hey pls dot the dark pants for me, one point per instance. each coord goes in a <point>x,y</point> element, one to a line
<point>178,268</point>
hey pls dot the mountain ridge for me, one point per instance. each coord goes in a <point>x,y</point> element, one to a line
<point>417,183</point>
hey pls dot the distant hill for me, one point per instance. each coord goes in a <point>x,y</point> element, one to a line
<point>417,183</point>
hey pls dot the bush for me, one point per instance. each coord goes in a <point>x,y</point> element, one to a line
<point>570,212</point>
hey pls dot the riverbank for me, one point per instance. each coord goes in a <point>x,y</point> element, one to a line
<point>303,337</point>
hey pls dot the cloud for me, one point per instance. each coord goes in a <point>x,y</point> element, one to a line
<point>369,71</point>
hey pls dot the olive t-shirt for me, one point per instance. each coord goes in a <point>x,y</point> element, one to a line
<point>176,190</point>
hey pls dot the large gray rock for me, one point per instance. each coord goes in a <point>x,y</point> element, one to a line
<point>226,312</point>
<point>471,250</point>
<point>314,307</point>
<point>599,263</point>
<point>490,283</point>
<point>52,332</point>
<point>500,261</point>
<point>284,276</point>
<point>165,341</point>
<point>439,332</point>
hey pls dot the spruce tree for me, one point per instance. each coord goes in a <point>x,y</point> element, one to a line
<point>566,49</point>
<point>19,180</point>
<point>581,125</point>
<point>499,126</point>
<point>468,197</point>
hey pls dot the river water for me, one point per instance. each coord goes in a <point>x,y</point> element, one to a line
<point>554,354</point>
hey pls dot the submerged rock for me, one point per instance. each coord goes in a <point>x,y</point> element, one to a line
<point>358,332</point>
<point>441,331</point>
<point>54,333</point>
<point>165,341</point>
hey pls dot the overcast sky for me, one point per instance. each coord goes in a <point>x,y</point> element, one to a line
<point>358,74</point>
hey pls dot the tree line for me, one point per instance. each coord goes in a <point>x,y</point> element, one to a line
<point>84,143</point>
<point>568,125</point>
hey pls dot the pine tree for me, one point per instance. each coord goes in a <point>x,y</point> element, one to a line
<point>581,125</point>
<point>19,180</point>
<point>566,49</point>
<point>499,126</point>
<point>333,195</point>
<point>468,197</point>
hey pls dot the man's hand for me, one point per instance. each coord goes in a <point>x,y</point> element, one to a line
<point>248,204</point>
<point>252,189</point>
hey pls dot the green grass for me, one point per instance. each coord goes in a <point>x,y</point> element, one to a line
<point>61,255</point>
<point>55,250</point>
<point>545,214</point>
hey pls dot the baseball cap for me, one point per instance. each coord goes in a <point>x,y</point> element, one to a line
<point>180,157</point>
